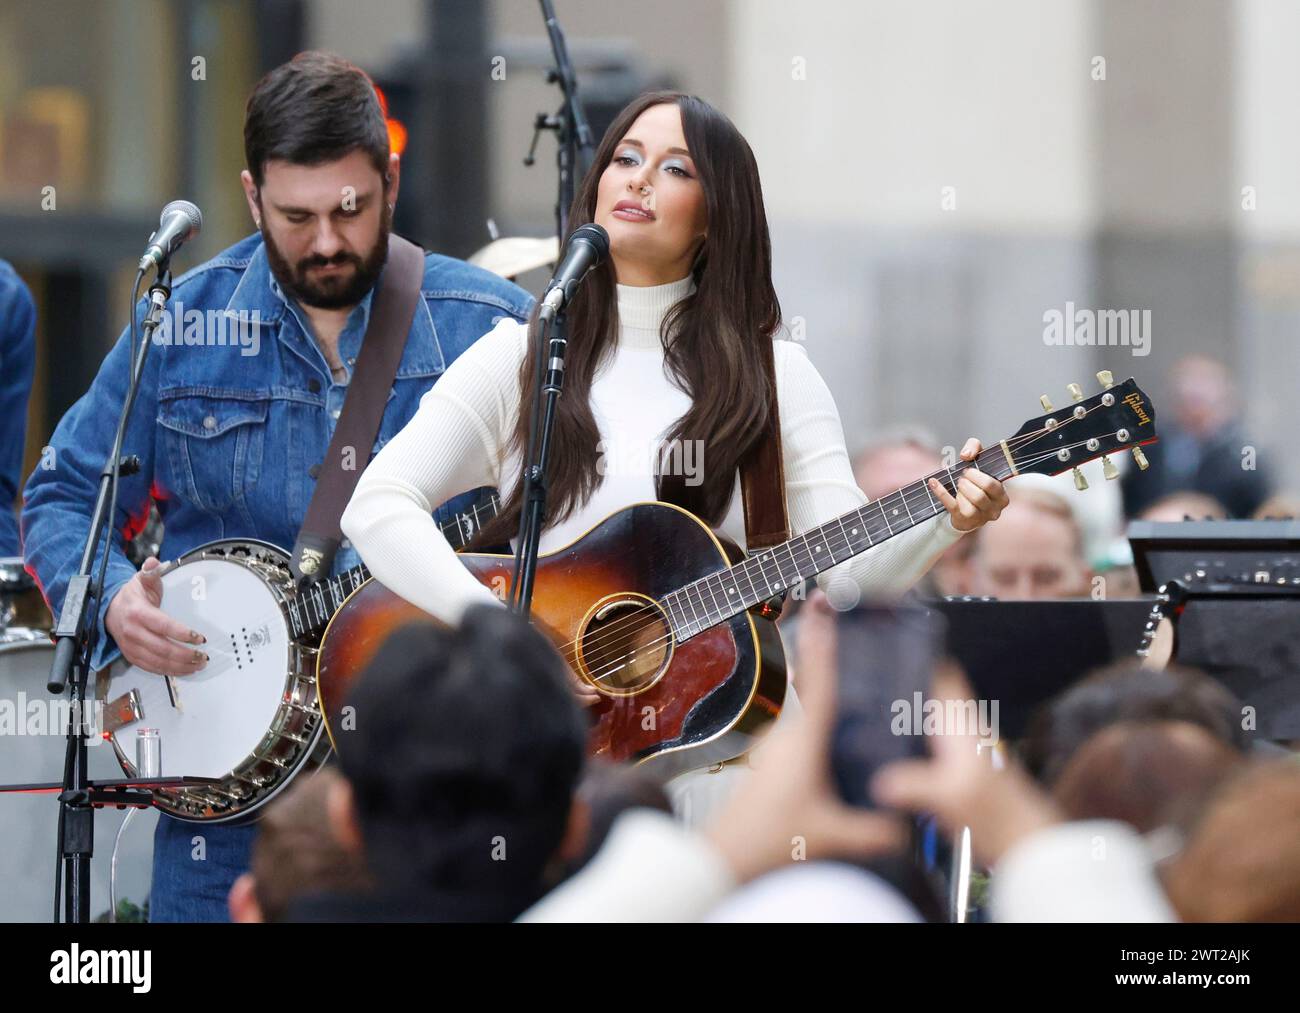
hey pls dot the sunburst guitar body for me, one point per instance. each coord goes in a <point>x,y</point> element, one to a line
<point>674,696</point>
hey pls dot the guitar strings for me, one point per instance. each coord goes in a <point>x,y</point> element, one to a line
<point>613,629</point>
<point>570,649</point>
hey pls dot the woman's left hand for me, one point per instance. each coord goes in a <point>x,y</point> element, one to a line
<point>980,497</point>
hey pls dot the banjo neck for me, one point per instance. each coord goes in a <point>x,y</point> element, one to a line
<point>311,611</point>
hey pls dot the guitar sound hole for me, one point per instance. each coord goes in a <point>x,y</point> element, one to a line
<point>625,645</point>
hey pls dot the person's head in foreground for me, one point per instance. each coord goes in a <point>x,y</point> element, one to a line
<point>1241,862</point>
<point>465,752</point>
<point>295,854</point>
<point>1034,552</point>
<point>1128,692</point>
<point>1149,774</point>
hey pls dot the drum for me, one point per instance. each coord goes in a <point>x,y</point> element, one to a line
<point>32,727</point>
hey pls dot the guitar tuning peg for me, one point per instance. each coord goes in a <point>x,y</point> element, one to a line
<point>1141,458</point>
<point>1108,468</point>
<point>1076,392</point>
<point>1080,482</point>
<point>1046,402</point>
<point>1106,378</point>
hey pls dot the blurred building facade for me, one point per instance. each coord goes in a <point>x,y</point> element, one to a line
<point>939,175</point>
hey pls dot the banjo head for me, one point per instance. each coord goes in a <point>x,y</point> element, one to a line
<point>249,717</point>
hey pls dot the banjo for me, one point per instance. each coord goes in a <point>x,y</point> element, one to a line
<point>250,719</point>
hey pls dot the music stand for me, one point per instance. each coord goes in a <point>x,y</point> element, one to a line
<point>1023,653</point>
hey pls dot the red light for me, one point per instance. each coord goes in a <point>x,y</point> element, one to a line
<point>396,136</point>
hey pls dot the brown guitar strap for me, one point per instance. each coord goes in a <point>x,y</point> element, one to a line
<point>762,478</point>
<point>762,481</point>
<point>391,312</point>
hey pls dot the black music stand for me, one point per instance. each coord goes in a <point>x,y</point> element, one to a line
<point>1023,653</point>
<point>1239,583</point>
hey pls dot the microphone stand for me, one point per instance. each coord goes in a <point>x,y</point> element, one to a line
<point>570,125</point>
<point>75,645</point>
<point>533,501</point>
<point>573,133</point>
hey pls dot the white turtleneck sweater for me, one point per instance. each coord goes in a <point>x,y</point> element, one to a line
<point>457,440</point>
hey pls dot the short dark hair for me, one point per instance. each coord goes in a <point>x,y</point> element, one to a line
<point>316,108</point>
<point>295,855</point>
<point>463,736</point>
<point>1127,691</point>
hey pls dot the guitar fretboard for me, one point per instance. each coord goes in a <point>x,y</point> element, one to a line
<point>710,600</point>
<point>311,611</point>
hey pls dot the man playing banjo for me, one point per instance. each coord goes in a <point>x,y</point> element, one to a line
<point>231,436</point>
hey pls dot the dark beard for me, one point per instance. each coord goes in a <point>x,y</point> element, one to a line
<point>337,292</point>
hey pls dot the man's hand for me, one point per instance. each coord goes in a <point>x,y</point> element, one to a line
<point>146,636</point>
<point>980,498</point>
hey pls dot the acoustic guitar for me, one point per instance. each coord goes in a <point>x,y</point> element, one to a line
<point>656,611</point>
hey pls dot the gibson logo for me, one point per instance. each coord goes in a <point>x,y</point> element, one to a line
<point>1135,402</point>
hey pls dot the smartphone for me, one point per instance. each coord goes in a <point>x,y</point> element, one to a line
<point>886,659</point>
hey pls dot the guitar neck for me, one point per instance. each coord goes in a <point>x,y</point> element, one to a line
<point>312,610</point>
<point>710,600</point>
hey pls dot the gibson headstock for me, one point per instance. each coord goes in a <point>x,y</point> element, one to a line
<point>1120,418</point>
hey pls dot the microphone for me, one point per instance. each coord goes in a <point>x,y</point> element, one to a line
<point>180,222</point>
<point>588,247</point>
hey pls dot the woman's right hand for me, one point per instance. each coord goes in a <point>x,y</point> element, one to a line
<point>145,634</point>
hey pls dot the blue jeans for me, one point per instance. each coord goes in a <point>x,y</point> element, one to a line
<point>194,866</point>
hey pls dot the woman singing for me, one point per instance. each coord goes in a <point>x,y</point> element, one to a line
<point>666,345</point>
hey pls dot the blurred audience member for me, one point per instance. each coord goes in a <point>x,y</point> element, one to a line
<point>1202,447</point>
<point>950,574</point>
<point>1127,692</point>
<point>1034,552</point>
<point>460,774</point>
<point>898,457</point>
<point>295,854</point>
<point>1185,505</point>
<point>1098,510</point>
<point>1282,507</point>
<point>607,791</point>
<point>816,892</point>
<point>1045,868</point>
<point>1241,862</point>
<point>1145,773</point>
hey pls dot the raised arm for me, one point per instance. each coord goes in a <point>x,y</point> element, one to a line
<point>820,485</point>
<point>452,444</point>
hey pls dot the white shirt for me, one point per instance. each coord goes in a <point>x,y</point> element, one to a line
<point>457,441</point>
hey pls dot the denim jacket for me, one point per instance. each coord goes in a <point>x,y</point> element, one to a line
<point>232,421</point>
<point>17,360</point>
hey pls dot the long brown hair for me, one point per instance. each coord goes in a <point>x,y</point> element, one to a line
<point>717,341</point>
